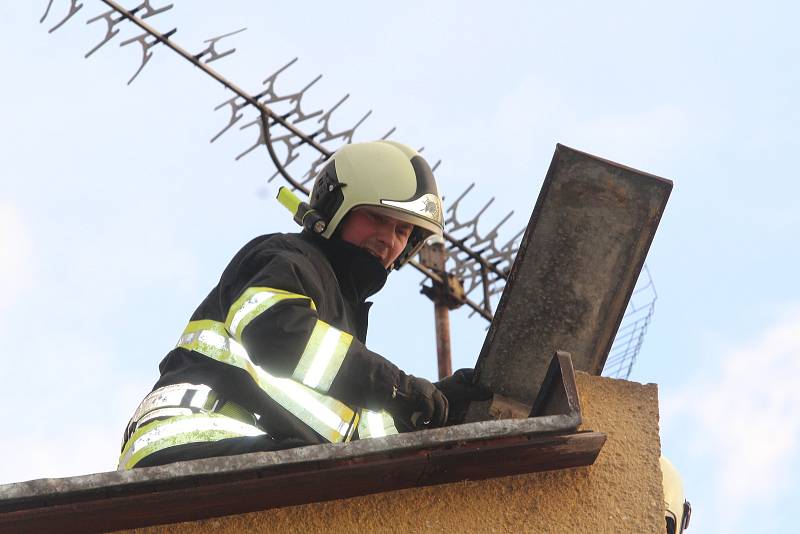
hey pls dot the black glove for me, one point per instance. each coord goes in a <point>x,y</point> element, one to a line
<point>460,389</point>
<point>416,404</point>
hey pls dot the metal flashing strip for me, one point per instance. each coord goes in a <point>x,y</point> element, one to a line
<point>186,491</point>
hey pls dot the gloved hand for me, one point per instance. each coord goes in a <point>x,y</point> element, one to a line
<point>460,389</point>
<point>416,404</point>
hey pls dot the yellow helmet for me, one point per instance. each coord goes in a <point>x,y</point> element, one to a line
<point>678,511</point>
<point>383,174</point>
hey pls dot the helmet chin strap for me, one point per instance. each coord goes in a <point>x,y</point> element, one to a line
<point>417,236</point>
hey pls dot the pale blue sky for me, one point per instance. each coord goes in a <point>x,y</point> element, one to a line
<point>117,215</point>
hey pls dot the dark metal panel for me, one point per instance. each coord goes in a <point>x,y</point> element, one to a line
<point>574,273</point>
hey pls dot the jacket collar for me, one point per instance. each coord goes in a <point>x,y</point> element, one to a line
<point>360,274</point>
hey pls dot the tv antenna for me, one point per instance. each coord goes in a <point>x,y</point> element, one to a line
<point>468,267</point>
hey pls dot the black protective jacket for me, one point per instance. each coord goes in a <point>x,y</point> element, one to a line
<point>279,297</point>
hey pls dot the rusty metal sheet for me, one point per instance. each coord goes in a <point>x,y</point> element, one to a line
<point>574,273</point>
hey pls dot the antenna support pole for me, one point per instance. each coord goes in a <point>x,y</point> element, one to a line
<point>447,294</point>
<point>443,357</point>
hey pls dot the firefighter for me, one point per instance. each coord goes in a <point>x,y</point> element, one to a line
<point>275,355</point>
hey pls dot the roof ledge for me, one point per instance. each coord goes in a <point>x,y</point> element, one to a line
<point>214,487</point>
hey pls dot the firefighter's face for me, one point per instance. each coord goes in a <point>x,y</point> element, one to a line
<point>378,233</point>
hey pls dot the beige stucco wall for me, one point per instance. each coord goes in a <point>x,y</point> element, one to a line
<point>621,492</point>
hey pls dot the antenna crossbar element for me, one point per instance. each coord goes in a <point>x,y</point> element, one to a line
<point>269,96</point>
<point>211,50</point>
<point>112,22</point>
<point>236,105</point>
<point>149,10</point>
<point>146,46</point>
<point>74,7</point>
<point>477,258</point>
<point>111,31</point>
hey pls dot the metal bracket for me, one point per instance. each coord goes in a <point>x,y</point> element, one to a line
<point>558,395</point>
<point>558,392</point>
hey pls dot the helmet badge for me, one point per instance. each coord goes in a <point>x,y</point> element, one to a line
<point>432,207</point>
<point>427,206</point>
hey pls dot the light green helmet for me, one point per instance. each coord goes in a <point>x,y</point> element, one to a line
<point>383,174</point>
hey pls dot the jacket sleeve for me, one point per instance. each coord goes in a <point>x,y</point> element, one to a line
<point>273,314</point>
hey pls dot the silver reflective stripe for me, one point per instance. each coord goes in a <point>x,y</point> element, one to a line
<point>253,302</point>
<point>199,399</point>
<point>375,424</point>
<point>195,428</point>
<point>322,357</point>
<point>327,416</point>
<point>170,396</point>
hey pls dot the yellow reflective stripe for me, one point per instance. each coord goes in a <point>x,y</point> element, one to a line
<point>195,428</point>
<point>191,340</point>
<point>327,416</point>
<point>322,357</point>
<point>375,424</point>
<point>253,302</point>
